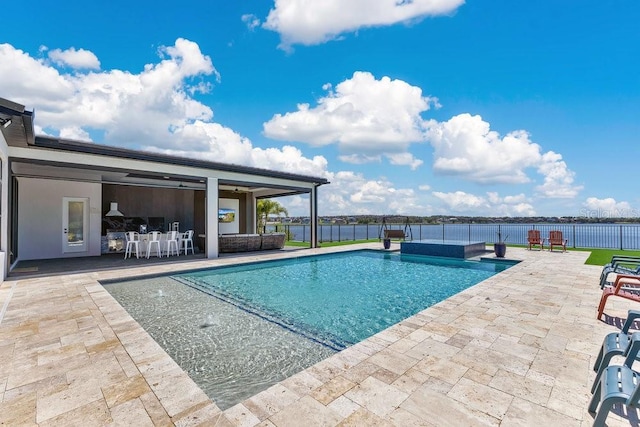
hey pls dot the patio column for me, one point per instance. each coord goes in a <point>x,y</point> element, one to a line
<point>251,213</point>
<point>313,200</point>
<point>211,221</point>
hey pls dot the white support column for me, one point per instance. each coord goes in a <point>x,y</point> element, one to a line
<point>211,221</point>
<point>313,202</point>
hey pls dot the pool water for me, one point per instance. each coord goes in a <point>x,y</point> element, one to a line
<point>341,299</point>
<point>266,321</point>
<point>230,353</point>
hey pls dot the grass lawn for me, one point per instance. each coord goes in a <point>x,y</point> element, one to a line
<point>603,256</point>
<point>598,256</point>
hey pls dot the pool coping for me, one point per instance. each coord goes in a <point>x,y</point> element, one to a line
<point>74,354</point>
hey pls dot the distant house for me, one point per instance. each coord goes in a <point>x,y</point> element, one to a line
<point>62,198</point>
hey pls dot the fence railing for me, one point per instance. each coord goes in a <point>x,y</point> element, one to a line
<point>605,236</point>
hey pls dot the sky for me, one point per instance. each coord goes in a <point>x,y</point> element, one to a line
<point>408,107</point>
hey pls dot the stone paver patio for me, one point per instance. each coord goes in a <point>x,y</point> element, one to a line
<point>514,350</point>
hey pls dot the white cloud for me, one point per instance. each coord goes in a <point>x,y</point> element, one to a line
<point>461,202</point>
<point>77,59</point>
<point>151,110</point>
<point>369,119</point>
<point>37,84</point>
<point>38,130</point>
<point>424,187</point>
<point>465,146</point>
<point>608,208</point>
<point>519,198</point>
<point>359,159</point>
<point>131,109</point>
<point>214,142</point>
<point>74,132</point>
<point>310,22</point>
<point>352,193</point>
<point>515,205</point>
<point>558,179</point>
<point>251,21</point>
<point>404,159</point>
<point>364,116</point>
<point>522,209</point>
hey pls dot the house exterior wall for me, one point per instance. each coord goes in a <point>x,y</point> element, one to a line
<point>230,227</point>
<point>40,217</point>
<point>4,207</point>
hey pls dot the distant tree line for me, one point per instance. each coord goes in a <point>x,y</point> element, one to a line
<point>451,219</point>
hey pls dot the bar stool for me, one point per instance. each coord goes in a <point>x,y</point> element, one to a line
<point>153,238</point>
<point>187,241</point>
<point>172,241</point>
<point>133,240</point>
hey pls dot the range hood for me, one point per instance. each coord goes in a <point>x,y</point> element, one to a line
<point>113,211</point>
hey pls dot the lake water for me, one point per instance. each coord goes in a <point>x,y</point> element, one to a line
<point>612,236</point>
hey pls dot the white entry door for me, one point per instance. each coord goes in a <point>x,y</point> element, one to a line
<point>75,229</point>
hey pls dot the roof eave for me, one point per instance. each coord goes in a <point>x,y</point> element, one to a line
<point>106,150</point>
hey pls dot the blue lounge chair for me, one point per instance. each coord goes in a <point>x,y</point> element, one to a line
<point>617,384</point>
<point>619,264</point>
<point>614,344</point>
<point>615,259</point>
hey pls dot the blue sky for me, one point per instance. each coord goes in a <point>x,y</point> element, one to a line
<point>423,107</point>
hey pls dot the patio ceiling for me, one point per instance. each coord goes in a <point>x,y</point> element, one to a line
<point>136,178</point>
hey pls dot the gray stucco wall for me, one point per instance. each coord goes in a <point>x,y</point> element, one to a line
<point>4,207</point>
<point>40,217</point>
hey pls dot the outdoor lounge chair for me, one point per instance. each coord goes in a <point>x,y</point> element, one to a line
<point>614,344</point>
<point>617,384</point>
<point>555,239</point>
<point>604,277</point>
<point>620,264</point>
<point>622,260</point>
<point>533,238</point>
<point>625,286</point>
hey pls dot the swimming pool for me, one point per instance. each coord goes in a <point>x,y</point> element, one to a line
<point>266,321</point>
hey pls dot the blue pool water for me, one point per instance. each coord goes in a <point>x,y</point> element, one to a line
<point>268,321</point>
<point>341,299</point>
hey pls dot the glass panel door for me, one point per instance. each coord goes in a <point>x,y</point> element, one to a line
<point>74,224</point>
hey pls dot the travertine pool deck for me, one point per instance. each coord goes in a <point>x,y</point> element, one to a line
<point>514,350</point>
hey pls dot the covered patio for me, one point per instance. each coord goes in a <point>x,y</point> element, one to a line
<point>58,195</point>
<point>115,261</point>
